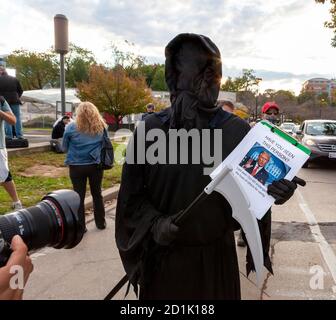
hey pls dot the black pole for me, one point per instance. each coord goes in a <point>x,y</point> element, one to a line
<point>256,108</point>
<point>185,213</point>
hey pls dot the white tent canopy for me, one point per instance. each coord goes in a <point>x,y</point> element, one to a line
<point>50,96</point>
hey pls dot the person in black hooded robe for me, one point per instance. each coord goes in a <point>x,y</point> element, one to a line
<point>198,259</point>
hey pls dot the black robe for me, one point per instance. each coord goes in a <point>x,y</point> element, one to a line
<point>202,262</point>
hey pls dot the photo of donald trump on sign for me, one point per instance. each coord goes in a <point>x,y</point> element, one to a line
<point>262,165</point>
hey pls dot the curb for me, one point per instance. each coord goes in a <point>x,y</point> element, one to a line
<point>45,146</point>
<point>108,194</point>
<point>37,147</point>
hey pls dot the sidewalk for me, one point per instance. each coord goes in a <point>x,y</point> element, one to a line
<point>90,270</point>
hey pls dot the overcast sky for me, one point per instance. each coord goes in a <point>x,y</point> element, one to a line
<point>284,41</point>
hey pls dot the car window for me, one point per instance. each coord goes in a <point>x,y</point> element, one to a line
<point>321,129</point>
<point>288,126</point>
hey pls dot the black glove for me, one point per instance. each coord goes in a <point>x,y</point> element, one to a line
<point>282,190</point>
<point>164,230</point>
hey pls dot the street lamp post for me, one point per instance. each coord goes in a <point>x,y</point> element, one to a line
<point>322,103</point>
<point>61,47</point>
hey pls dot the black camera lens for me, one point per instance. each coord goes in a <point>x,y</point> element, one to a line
<point>52,222</point>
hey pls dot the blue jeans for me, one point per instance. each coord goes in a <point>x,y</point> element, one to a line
<point>18,126</point>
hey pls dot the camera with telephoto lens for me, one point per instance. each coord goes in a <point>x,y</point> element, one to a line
<point>53,222</point>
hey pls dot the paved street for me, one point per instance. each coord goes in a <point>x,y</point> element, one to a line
<point>303,241</point>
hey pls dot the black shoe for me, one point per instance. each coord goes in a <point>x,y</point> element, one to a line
<point>102,225</point>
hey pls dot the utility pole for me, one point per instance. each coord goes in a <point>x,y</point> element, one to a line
<point>61,47</point>
<point>256,102</point>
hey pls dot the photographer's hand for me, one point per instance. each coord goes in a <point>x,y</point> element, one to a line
<point>18,258</point>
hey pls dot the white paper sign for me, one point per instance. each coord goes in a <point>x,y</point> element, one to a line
<point>261,158</point>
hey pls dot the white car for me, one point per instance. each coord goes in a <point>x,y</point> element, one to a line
<point>287,127</point>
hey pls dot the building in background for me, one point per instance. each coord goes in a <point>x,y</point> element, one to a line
<point>320,86</point>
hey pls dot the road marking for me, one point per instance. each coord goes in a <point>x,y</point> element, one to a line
<point>326,250</point>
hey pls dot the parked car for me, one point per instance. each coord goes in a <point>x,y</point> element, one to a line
<point>295,129</point>
<point>287,127</point>
<point>320,137</point>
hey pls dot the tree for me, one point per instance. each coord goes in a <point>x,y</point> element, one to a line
<point>159,80</point>
<point>331,24</point>
<point>285,97</point>
<point>246,82</point>
<point>114,92</point>
<point>77,64</point>
<point>269,94</point>
<point>130,62</point>
<point>148,71</point>
<point>248,99</point>
<point>230,85</point>
<point>305,96</point>
<point>333,97</point>
<point>34,70</point>
<point>135,66</point>
<point>249,80</point>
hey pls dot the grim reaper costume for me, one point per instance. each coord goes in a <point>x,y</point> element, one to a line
<point>197,260</point>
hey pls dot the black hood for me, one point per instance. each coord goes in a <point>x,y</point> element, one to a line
<point>193,73</point>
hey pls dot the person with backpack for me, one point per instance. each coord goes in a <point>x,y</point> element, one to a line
<point>83,140</point>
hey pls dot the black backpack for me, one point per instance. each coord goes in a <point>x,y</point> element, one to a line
<point>107,154</point>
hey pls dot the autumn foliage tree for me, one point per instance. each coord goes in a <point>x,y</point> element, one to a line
<point>114,92</point>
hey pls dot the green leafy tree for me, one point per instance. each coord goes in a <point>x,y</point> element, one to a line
<point>230,85</point>
<point>130,62</point>
<point>34,70</point>
<point>148,71</point>
<point>247,82</point>
<point>77,65</point>
<point>332,23</point>
<point>159,80</point>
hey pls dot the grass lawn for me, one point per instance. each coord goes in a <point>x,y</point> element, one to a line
<point>31,188</point>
